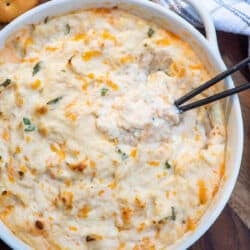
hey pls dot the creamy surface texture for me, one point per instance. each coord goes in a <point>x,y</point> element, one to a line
<point>94,155</point>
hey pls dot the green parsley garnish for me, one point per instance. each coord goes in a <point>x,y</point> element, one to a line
<point>67,29</point>
<point>54,101</point>
<point>170,217</point>
<point>30,128</point>
<point>150,32</point>
<point>28,125</point>
<point>173,215</point>
<point>36,68</point>
<point>124,156</point>
<point>104,91</point>
<point>167,165</point>
<point>26,121</point>
<point>166,72</point>
<point>5,83</point>
<point>46,19</point>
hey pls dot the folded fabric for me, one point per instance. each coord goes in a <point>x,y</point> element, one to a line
<point>228,15</point>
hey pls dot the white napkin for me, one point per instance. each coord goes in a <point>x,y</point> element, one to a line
<point>228,15</point>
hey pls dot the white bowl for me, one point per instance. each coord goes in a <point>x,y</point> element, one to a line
<point>208,53</point>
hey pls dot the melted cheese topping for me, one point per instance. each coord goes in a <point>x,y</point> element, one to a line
<point>94,155</point>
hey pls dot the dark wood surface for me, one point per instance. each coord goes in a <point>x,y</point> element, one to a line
<point>231,229</point>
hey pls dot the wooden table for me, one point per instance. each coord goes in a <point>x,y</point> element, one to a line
<point>231,230</point>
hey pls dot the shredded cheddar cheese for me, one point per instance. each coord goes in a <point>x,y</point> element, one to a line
<point>36,84</point>
<point>90,54</point>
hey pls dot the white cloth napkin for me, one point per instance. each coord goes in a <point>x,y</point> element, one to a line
<point>228,15</point>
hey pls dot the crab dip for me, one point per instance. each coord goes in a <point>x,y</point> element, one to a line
<point>93,152</point>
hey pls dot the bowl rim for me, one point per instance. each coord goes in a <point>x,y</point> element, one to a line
<point>39,13</point>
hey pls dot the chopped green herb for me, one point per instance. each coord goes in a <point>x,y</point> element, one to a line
<point>28,125</point>
<point>150,32</point>
<point>26,121</point>
<point>5,83</point>
<point>167,165</point>
<point>67,29</point>
<point>173,215</point>
<point>104,91</point>
<point>54,101</point>
<point>36,68</point>
<point>30,128</point>
<point>166,72</point>
<point>124,156</point>
<point>46,19</point>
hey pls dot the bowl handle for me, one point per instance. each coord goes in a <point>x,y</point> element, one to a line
<point>207,21</point>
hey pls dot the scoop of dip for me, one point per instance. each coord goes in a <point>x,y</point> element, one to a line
<point>94,154</point>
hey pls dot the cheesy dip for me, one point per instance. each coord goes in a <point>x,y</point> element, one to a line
<point>94,154</point>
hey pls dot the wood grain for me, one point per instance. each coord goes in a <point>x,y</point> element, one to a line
<point>231,230</point>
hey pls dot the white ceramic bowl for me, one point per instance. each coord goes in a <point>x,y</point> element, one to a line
<point>208,52</point>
